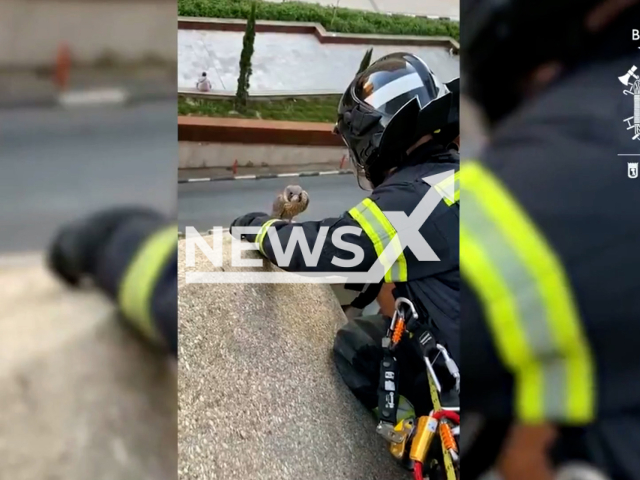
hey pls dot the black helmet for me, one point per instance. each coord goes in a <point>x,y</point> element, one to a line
<point>505,40</point>
<point>388,107</point>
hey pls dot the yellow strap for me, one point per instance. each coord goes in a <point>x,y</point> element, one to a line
<point>448,461</point>
<point>381,233</point>
<point>528,303</point>
<point>136,289</point>
<point>263,233</point>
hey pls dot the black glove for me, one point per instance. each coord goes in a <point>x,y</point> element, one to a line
<point>76,248</point>
<point>245,221</point>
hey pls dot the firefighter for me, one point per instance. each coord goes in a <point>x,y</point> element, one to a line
<point>400,124</point>
<point>131,254</point>
<point>549,238</point>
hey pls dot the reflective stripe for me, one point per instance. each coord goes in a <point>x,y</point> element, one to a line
<point>528,303</point>
<point>456,188</point>
<point>381,233</point>
<point>136,289</point>
<point>263,232</point>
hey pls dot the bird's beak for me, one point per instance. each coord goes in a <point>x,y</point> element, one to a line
<point>295,198</point>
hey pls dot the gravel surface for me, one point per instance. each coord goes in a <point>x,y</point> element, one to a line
<point>259,395</point>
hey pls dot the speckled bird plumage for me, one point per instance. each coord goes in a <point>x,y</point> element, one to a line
<point>291,202</point>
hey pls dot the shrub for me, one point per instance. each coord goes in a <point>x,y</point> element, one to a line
<point>341,20</point>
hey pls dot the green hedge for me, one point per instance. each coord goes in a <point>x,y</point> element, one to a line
<point>346,20</point>
<point>293,110</point>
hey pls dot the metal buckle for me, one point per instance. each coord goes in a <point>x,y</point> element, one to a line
<point>389,433</point>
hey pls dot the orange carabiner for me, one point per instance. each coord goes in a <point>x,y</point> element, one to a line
<point>398,330</point>
<point>447,437</point>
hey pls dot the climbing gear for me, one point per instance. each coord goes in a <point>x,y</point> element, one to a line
<point>412,439</point>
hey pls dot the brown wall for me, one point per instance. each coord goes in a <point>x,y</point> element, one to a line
<point>231,130</point>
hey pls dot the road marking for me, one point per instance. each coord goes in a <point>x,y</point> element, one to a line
<point>282,175</point>
<point>93,97</point>
<point>268,176</point>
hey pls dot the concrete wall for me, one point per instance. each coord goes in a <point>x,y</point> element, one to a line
<point>260,397</point>
<point>31,30</point>
<point>81,397</point>
<point>208,155</point>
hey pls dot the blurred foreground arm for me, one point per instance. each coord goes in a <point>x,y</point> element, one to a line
<point>131,254</point>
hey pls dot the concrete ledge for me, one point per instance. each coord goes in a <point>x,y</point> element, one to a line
<point>263,26</point>
<point>260,397</point>
<point>263,95</point>
<point>245,131</point>
<point>81,397</point>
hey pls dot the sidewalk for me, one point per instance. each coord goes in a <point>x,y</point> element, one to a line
<point>284,62</point>
<point>25,88</point>
<point>423,8</point>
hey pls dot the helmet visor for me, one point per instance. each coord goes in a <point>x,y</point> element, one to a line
<point>391,83</point>
<point>359,173</point>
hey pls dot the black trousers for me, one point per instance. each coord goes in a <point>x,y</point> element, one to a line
<point>358,353</point>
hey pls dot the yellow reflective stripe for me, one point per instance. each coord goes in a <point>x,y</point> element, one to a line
<point>502,315</point>
<point>135,294</point>
<point>263,232</point>
<point>400,275</point>
<point>455,179</point>
<point>380,231</point>
<point>528,303</point>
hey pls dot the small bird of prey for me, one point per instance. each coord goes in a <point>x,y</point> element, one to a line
<point>291,202</point>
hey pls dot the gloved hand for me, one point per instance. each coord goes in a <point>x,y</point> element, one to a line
<point>76,247</point>
<point>245,221</point>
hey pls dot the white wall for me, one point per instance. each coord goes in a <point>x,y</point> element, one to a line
<point>211,155</point>
<point>31,30</point>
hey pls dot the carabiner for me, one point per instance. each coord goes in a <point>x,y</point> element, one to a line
<point>406,301</point>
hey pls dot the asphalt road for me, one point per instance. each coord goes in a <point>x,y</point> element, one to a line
<point>217,204</point>
<point>57,165</point>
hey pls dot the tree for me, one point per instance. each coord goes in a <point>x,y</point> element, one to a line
<point>366,60</point>
<point>242,94</point>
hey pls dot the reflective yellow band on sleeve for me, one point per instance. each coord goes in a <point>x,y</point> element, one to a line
<point>528,303</point>
<point>380,231</point>
<point>263,232</point>
<point>135,294</point>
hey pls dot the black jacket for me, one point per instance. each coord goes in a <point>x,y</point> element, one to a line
<point>562,264</point>
<point>432,285</point>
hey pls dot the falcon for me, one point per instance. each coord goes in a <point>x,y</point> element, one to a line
<point>291,202</point>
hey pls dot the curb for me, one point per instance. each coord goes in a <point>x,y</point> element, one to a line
<point>267,176</point>
<point>89,97</point>
<point>22,259</point>
<point>264,95</point>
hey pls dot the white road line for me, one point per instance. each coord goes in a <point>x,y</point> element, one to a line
<point>194,180</point>
<point>332,172</point>
<point>281,175</point>
<point>245,177</point>
<point>93,97</point>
